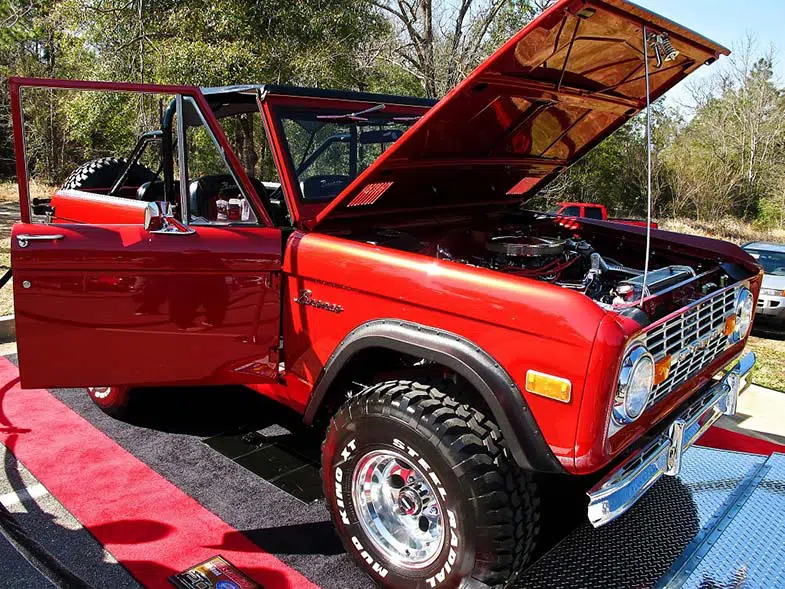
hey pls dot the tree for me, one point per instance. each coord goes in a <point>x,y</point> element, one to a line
<point>729,155</point>
<point>309,42</point>
<point>440,43</point>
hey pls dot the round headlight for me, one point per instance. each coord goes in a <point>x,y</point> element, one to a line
<point>636,379</point>
<point>744,307</point>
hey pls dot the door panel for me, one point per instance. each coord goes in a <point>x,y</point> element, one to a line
<point>115,304</point>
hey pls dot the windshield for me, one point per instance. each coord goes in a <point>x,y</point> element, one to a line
<point>328,151</point>
<point>772,262</point>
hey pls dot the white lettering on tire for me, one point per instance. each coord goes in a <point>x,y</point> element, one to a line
<point>339,501</point>
<point>375,566</point>
<point>452,555</point>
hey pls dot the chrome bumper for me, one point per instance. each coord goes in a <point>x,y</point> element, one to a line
<point>627,483</point>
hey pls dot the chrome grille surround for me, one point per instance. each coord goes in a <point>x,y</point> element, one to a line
<point>693,338</point>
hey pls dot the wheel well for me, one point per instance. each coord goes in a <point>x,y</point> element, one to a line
<point>375,364</point>
<point>381,349</point>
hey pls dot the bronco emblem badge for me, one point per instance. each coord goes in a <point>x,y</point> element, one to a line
<point>306,298</point>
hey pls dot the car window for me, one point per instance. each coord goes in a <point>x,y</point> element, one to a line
<point>772,262</point>
<point>327,152</point>
<point>592,212</point>
<point>571,211</point>
<point>214,193</point>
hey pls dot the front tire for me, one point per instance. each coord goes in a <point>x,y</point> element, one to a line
<point>423,492</point>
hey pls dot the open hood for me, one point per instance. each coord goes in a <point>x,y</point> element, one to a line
<point>550,94</point>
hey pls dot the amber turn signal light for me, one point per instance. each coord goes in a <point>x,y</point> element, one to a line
<point>730,325</point>
<point>548,385</point>
<point>662,370</point>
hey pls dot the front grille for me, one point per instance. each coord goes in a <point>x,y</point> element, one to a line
<point>692,339</point>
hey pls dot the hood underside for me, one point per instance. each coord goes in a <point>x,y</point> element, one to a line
<point>549,95</point>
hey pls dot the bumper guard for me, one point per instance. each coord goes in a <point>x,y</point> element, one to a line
<point>627,483</point>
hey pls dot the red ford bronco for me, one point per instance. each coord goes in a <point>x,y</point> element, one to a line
<point>381,276</point>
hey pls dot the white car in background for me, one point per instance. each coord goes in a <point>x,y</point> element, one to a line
<point>771,301</point>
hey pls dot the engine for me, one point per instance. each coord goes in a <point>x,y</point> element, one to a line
<point>570,263</point>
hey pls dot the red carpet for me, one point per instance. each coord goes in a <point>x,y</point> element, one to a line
<point>146,522</point>
<point>724,439</point>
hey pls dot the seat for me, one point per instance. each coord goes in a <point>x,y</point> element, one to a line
<point>207,189</point>
<point>151,191</point>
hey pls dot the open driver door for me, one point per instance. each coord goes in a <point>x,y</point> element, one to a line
<point>134,303</point>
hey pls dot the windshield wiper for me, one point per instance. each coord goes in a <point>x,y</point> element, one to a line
<point>355,117</point>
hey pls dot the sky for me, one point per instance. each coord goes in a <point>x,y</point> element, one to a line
<point>727,22</point>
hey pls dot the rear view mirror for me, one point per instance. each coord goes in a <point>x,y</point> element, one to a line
<point>158,218</point>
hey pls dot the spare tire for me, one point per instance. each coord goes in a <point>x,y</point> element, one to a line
<point>100,175</point>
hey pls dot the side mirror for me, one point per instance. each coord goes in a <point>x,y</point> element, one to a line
<point>158,219</point>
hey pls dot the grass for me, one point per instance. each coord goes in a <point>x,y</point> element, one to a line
<point>9,192</point>
<point>769,370</point>
<point>729,229</point>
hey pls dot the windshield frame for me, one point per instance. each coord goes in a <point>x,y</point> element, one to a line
<point>277,107</point>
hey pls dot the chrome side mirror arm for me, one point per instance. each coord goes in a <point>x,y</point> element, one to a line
<point>158,219</point>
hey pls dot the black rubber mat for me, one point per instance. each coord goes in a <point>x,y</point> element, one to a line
<point>276,455</point>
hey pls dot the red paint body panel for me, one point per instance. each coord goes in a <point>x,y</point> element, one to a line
<point>75,206</point>
<point>116,304</point>
<point>522,323</point>
<point>549,95</point>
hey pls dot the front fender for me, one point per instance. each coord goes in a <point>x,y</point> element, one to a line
<point>498,389</point>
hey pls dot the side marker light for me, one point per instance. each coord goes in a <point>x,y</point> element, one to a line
<point>547,385</point>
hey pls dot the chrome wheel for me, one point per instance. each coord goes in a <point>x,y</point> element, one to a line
<point>398,509</point>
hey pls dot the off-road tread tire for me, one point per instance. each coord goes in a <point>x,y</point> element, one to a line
<point>508,493</point>
<point>103,172</point>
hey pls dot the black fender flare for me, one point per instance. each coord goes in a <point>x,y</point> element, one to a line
<point>498,389</point>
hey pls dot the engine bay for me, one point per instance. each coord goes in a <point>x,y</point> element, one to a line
<point>588,259</point>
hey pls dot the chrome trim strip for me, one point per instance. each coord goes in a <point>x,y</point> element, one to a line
<point>623,486</point>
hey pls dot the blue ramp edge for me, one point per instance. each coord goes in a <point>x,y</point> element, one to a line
<point>654,543</point>
<point>749,549</point>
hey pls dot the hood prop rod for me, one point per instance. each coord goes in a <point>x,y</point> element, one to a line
<point>648,163</point>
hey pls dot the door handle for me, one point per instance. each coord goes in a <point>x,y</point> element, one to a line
<point>24,240</point>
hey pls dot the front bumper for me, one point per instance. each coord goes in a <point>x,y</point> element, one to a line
<point>771,307</point>
<point>627,483</point>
